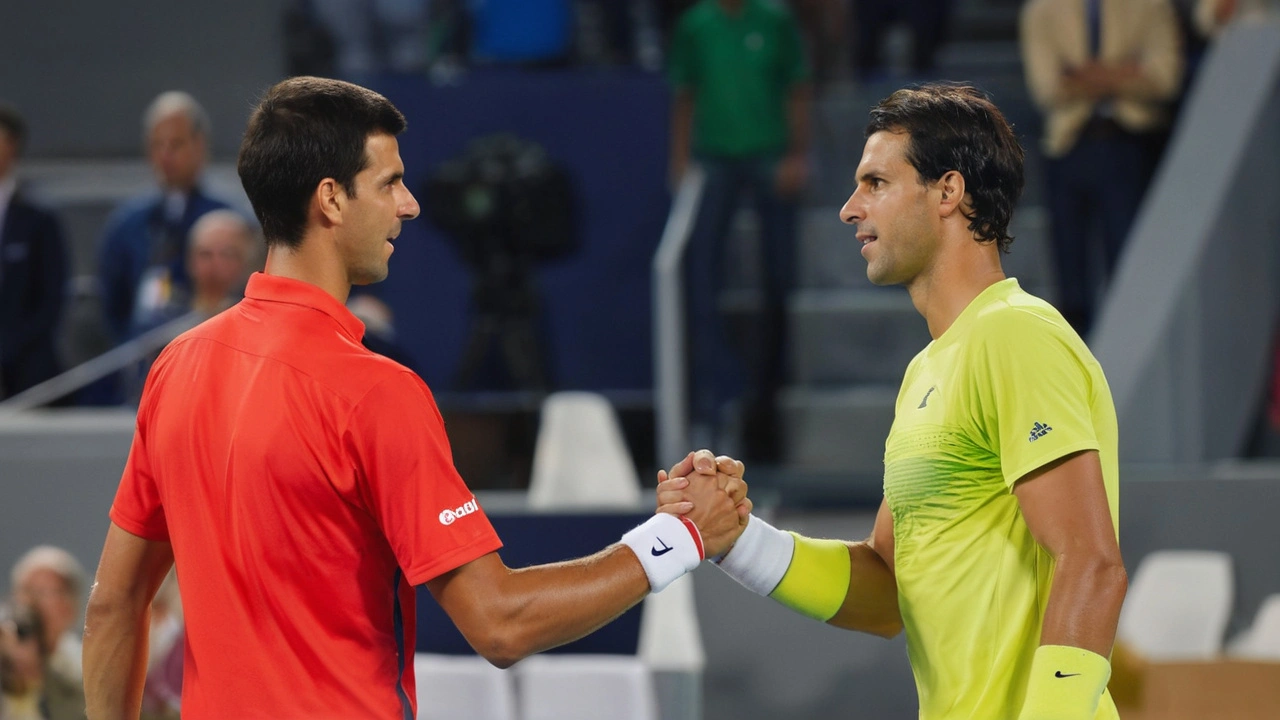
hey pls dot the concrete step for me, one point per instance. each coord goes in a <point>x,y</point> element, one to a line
<point>838,429</point>
<point>854,336</point>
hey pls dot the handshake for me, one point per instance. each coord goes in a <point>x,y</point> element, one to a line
<point>703,509</point>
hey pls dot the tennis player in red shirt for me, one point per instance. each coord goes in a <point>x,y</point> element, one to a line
<point>303,485</point>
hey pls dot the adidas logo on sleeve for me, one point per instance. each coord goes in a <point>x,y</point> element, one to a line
<point>1038,431</point>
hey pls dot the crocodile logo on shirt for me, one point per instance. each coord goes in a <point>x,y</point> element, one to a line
<point>1038,431</point>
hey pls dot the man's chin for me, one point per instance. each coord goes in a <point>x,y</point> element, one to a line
<point>370,277</point>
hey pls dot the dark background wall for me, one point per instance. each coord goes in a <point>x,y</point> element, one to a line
<point>82,72</point>
<point>609,130</point>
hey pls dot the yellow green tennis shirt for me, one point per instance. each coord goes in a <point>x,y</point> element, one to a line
<point>1008,388</point>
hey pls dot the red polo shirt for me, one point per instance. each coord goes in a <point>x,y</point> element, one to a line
<point>306,485</point>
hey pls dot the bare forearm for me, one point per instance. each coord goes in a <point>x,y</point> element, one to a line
<point>1084,604</point>
<point>799,119</point>
<point>871,605</point>
<point>549,605</point>
<point>681,128</point>
<point>115,660</point>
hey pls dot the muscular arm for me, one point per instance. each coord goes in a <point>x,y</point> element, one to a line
<point>871,604</point>
<point>508,614</point>
<point>1065,507</point>
<point>117,620</point>
<point>811,571</point>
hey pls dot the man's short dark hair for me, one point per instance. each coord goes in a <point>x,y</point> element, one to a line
<point>304,130</point>
<point>957,127</point>
<point>12,124</point>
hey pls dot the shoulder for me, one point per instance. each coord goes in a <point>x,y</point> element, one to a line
<point>1023,325</point>
<point>24,204</point>
<point>1029,338</point>
<point>30,218</point>
<point>130,212</point>
<point>203,202</point>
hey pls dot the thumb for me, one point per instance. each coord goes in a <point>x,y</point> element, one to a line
<point>704,462</point>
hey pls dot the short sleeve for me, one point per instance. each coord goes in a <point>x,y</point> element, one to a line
<point>1035,393</point>
<point>409,484</point>
<point>138,508</point>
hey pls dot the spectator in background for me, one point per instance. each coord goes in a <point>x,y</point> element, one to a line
<point>823,23</point>
<point>1213,16</point>
<point>33,273</point>
<point>52,581</point>
<point>1104,73</point>
<point>218,263</point>
<point>162,692</point>
<point>741,108</point>
<point>22,659</point>
<point>372,36</point>
<point>29,690</point>
<point>872,19</point>
<point>379,327</point>
<point>142,255</point>
<point>219,259</point>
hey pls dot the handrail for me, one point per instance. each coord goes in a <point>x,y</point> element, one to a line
<point>669,355</point>
<point>113,360</point>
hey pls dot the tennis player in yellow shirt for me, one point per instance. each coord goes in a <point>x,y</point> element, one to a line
<point>995,547</point>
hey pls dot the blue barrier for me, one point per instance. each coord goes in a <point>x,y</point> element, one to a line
<point>610,130</point>
<point>533,539</point>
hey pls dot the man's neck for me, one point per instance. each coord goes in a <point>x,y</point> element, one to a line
<point>312,262</point>
<point>958,275</point>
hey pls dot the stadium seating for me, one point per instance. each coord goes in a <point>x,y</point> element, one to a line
<point>1178,605</point>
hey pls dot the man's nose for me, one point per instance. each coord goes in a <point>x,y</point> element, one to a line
<point>852,212</point>
<point>409,209</point>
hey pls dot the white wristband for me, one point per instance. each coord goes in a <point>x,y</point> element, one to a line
<point>760,557</point>
<point>667,546</point>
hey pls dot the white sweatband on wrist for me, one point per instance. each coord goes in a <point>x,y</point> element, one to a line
<point>760,557</point>
<point>668,546</point>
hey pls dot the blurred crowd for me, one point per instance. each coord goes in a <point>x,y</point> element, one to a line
<point>40,644</point>
<point>744,74</point>
<point>1106,76</point>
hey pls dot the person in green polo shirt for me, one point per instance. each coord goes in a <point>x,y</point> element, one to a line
<point>741,111</point>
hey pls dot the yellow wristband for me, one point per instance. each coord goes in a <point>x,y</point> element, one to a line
<point>817,579</point>
<point>1066,684</point>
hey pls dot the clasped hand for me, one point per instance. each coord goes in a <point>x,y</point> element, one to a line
<point>710,491</point>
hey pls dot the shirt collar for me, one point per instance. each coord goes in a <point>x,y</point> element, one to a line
<point>273,288</point>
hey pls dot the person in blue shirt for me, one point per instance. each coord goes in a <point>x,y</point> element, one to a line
<point>142,254</point>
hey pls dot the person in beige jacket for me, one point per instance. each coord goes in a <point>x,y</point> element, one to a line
<point>1104,74</point>
<point>1213,16</point>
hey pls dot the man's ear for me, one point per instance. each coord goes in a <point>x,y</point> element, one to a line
<point>953,193</point>
<point>330,199</point>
